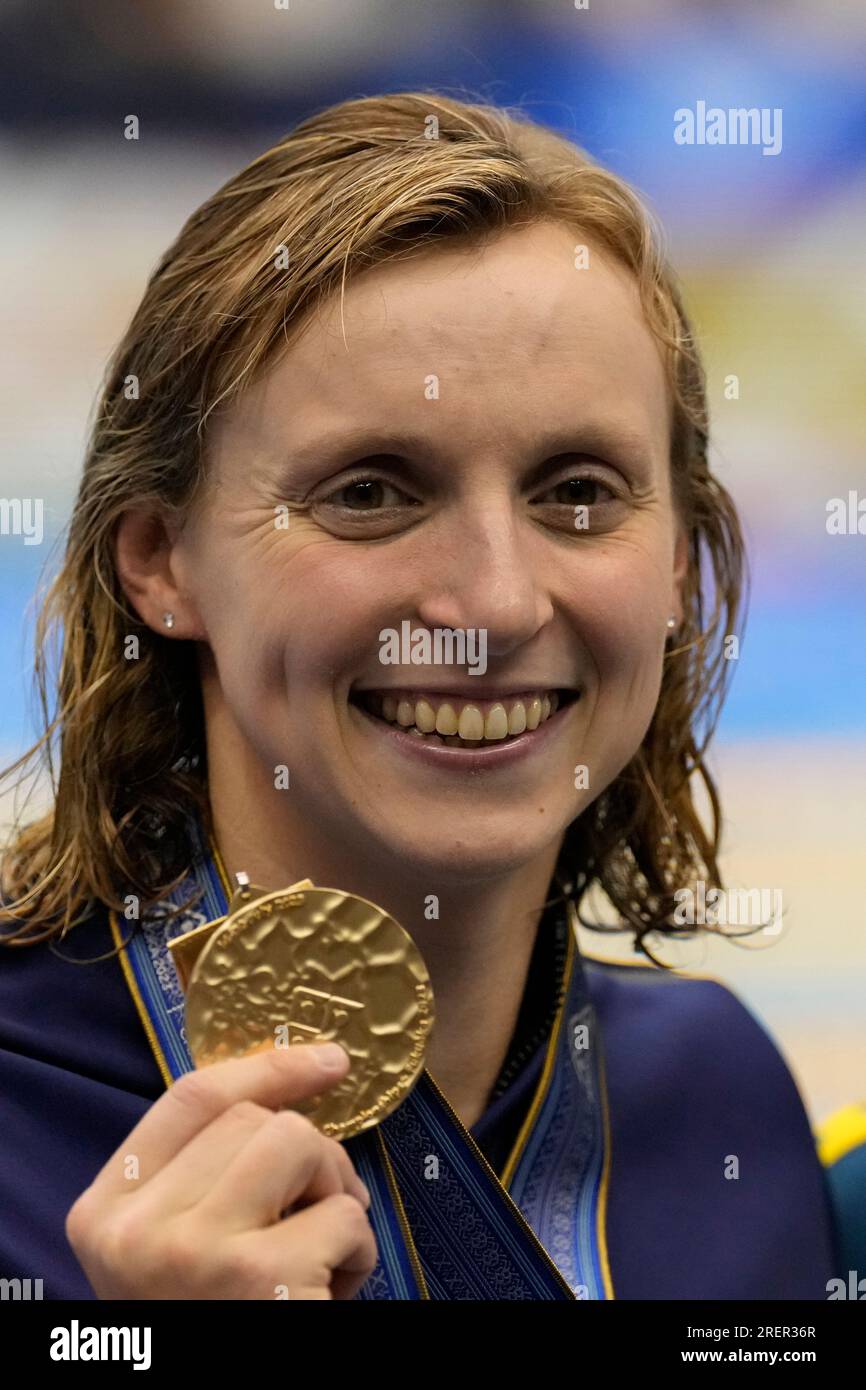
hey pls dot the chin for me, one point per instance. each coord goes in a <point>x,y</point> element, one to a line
<point>463,850</point>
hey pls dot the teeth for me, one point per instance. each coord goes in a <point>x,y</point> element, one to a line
<point>533,713</point>
<point>465,725</point>
<point>471,725</point>
<point>517,718</point>
<point>446,720</point>
<point>496,723</point>
<point>425,717</point>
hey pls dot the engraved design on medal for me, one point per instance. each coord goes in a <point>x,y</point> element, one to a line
<point>317,966</point>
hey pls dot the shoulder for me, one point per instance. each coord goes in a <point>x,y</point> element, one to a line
<point>67,1004</point>
<point>702,1038</point>
<point>76,1075</point>
<point>711,1142</point>
<point>670,1010</point>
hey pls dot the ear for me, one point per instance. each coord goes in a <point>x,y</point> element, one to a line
<point>144,547</point>
<point>680,570</point>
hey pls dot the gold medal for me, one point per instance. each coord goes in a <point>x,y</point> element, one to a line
<point>304,965</point>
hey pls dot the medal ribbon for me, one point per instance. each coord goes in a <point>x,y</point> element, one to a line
<point>446,1227</point>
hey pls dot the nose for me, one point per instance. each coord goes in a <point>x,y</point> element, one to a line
<point>486,572</point>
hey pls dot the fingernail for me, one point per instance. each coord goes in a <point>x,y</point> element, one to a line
<point>330,1056</point>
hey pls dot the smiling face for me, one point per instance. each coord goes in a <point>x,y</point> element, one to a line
<point>432,443</point>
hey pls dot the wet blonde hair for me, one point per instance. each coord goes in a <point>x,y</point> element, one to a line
<point>360,183</point>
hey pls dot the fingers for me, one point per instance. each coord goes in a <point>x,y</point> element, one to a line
<point>280,1076</point>
<point>250,1164</point>
<point>283,1161</point>
<point>352,1182</point>
<point>192,1173</point>
<point>338,1230</point>
<point>223,1157</point>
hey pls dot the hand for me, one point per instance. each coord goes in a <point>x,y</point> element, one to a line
<point>235,1198</point>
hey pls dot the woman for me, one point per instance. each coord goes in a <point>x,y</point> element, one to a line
<point>419,369</point>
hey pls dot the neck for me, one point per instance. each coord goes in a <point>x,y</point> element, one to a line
<point>477,949</point>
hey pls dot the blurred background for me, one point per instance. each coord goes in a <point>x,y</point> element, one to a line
<point>770,252</point>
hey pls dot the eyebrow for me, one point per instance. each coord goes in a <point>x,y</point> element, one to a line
<point>609,441</point>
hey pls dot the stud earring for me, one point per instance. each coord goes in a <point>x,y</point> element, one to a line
<point>672,622</point>
<point>168,619</point>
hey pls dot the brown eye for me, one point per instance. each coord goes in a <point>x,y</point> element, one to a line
<point>587,492</point>
<point>366,495</point>
<point>366,508</point>
<point>581,503</point>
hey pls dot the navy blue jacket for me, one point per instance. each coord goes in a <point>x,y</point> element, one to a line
<point>693,1082</point>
